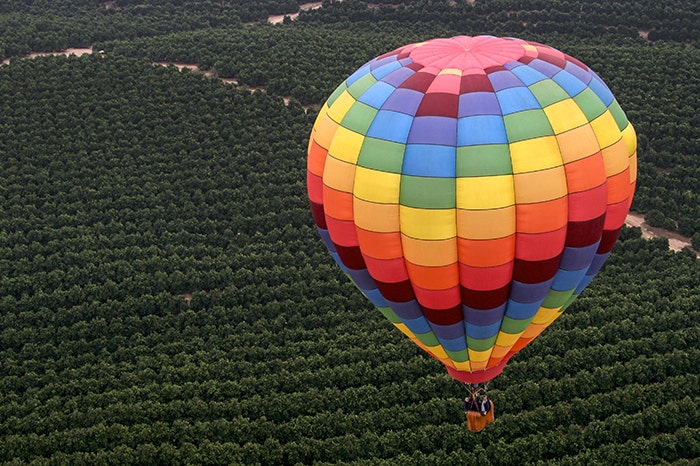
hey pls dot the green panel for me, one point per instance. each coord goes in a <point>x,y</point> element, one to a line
<point>389,314</point>
<point>484,160</point>
<point>556,298</point>
<point>478,344</point>
<point>514,326</point>
<point>547,92</point>
<point>458,356</point>
<point>619,115</point>
<point>527,124</point>
<point>359,117</point>
<point>428,193</point>
<point>360,86</point>
<point>428,339</point>
<point>336,93</point>
<point>590,104</point>
<point>379,154</point>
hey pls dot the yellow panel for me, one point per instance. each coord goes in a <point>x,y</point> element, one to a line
<point>535,154</point>
<point>322,113</point>
<point>346,145</point>
<point>462,366</point>
<point>615,158</point>
<point>341,106</point>
<point>485,192</point>
<point>438,352</point>
<point>544,185</point>
<point>633,168</point>
<point>565,115</point>
<point>486,224</point>
<point>377,186</point>
<point>382,218</point>
<point>630,137</point>
<point>479,365</point>
<point>428,223</point>
<point>479,356</point>
<point>338,174</point>
<point>577,144</point>
<point>454,71</point>
<point>606,130</point>
<point>405,331</point>
<point>546,315</point>
<point>506,339</point>
<point>429,253</point>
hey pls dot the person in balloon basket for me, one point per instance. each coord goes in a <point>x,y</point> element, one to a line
<point>485,405</point>
<point>471,404</point>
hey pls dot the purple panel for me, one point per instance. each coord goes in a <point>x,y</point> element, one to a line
<point>449,332</point>
<point>503,80</point>
<point>483,317</point>
<point>404,101</point>
<point>583,75</point>
<point>478,103</point>
<point>597,263</point>
<point>373,65</point>
<point>545,68</point>
<point>433,130</point>
<point>529,292</point>
<point>407,310</point>
<point>577,258</point>
<point>326,238</point>
<point>362,279</point>
<point>395,78</point>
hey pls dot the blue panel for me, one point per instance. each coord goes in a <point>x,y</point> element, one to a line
<point>570,83</point>
<point>601,90</point>
<point>483,332</point>
<point>376,298</point>
<point>520,311</point>
<point>528,75</point>
<point>362,279</point>
<point>417,325</point>
<point>358,74</point>
<point>517,99</point>
<point>587,279</point>
<point>566,280</point>
<point>390,126</point>
<point>377,94</point>
<point>385,69</point>
<point>481,129</point>
<point>457,344</point>
<point>429,160</point>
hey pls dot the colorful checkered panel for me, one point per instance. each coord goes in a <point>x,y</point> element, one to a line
<point>471,187</point>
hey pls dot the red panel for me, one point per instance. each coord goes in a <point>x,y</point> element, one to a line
<point>443,316</point>
<point>539,246</point>
<point>486,278</point>
<point>319,216</point>
<point>437,299</point>
<point>399,292</point>
<point>419,82</point>
<point>535,271</point>
<point>608,241</point>
<point>439,104</point>
<point>580,234</point>
<point>387,271</point>
<point>475,83</point>
<point>351,257</point>
<point>488,299</point>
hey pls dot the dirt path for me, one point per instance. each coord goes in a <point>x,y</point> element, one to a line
<point>277,19</point>
<point>676,241</point>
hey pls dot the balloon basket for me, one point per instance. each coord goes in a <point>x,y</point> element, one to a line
<point>476,422</point>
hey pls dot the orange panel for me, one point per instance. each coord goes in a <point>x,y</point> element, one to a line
<point>585,174</point>
<point>543,216</point>
<point>317,158</point>
<point>619,187</point>
<point>438,299</point>
<point>372,216</point>
<point>380,245</point>
<point>486,253</point>
<point>337,204</point>
<point>433,278</point>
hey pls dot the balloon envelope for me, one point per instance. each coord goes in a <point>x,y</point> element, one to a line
<point>471,187</point>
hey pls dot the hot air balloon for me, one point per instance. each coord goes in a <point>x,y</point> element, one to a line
<point>471,187</point>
